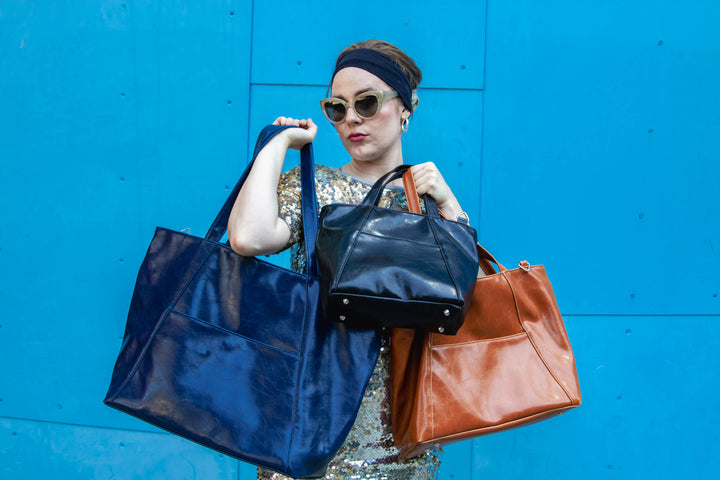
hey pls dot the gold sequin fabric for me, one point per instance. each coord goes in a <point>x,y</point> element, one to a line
<point>368,451</point>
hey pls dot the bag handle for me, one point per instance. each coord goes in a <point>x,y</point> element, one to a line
<point>484,256</point>
<point>308,196</point>
<point>411,194</point>
<point>373,196</point>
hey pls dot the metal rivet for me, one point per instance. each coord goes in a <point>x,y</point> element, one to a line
<point>346,301</point>
<point>436,445</point>
<point>441,329</point>
<point>446,312</point>
<point>341,318</point>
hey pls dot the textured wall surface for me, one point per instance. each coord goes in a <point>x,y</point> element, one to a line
<point>581,135</point>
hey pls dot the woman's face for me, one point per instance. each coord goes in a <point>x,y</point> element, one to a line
<point>369,139</point>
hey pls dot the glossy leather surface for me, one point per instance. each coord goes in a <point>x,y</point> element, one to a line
<point>510,364</point>
<point>233,352</point>
<point>383,267</point>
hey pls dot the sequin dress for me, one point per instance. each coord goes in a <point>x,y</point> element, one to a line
<point>368,451</point>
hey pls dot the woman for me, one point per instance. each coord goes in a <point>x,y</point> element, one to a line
<point>372,98</point>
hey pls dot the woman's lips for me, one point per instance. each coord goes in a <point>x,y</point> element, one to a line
<point>356,137</point>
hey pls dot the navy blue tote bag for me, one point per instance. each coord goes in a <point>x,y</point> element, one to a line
<point>232,352</point>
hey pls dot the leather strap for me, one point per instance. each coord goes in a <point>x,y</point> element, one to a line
<point>485,264</point>
<point>410,192</point>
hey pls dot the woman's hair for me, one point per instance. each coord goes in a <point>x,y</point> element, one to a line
<point>402,59</point>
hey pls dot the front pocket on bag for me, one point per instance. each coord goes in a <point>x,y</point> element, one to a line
<point>193,377</point>
<point>489,392</point>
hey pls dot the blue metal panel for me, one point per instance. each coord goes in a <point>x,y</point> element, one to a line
<point>601,151</point>
<point>457,462</point>
<point>454,142</point>
<point>196,95</point>
<point>120,117</point>
<point>293,41</point>
<point>38,451</point>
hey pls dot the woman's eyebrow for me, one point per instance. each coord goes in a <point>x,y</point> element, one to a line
<point>357,92</point>
<point>363,90</point>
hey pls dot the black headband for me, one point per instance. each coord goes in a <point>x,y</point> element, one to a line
<point>380,65</point>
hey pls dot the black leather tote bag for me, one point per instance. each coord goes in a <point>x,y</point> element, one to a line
<point>380,267</point>
<point>233,353</point>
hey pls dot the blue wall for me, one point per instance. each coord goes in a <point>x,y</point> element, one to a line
<point>581,135</point>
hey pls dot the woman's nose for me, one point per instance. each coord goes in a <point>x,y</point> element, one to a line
<point>351,116</point>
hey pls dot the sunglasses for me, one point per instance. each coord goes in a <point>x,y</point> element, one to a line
<point>365,105</point>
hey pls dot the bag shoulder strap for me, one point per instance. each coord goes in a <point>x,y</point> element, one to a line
<point>308,198</point>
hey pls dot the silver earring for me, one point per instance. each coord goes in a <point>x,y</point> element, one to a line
<point>405,125</point>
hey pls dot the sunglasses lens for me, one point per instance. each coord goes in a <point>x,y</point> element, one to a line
<point>334,111</point>
<point>366,106</point>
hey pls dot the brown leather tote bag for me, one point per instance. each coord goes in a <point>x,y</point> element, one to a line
<point>509,365</point>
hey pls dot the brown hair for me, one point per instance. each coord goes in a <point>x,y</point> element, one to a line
<point>402,59</point>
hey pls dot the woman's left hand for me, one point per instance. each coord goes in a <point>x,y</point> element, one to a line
<point>428,180</point>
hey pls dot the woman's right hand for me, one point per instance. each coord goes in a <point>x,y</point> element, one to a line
<point>297,138</point>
